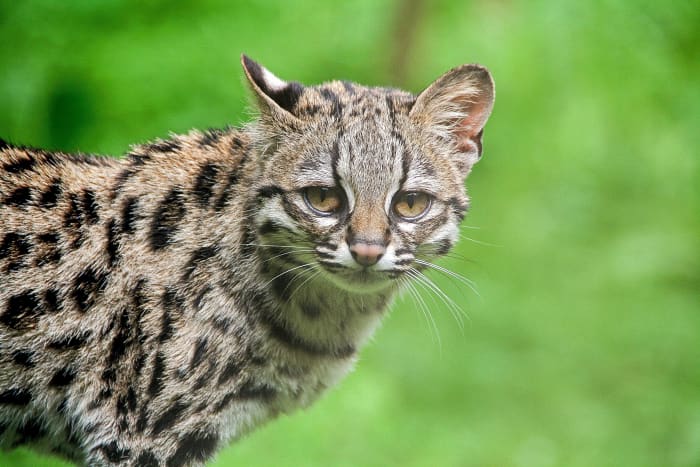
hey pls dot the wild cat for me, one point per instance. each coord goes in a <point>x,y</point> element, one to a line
<point>156,307</point>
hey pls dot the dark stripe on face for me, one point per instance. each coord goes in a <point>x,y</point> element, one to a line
<point>49,198</point>
<point>193,448</point>
<point>268,192</point>
<point>203,186</point>
<point>19,197</point>
<point>335,156</point>
<point>458,207</point>
<point>22,311</point>
<point>167,218</point>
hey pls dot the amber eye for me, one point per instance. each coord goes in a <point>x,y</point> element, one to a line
<point>322,200</point>
<point>411,204</point>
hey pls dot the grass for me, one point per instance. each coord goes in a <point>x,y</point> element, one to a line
<point>582,348</point>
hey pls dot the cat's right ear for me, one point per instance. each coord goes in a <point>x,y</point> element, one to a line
<point>276,97</point>
<point>455,109</point>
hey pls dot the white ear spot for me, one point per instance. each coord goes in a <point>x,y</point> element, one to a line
<point>272,81</point>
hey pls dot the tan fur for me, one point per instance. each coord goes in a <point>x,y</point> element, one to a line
<point>156,307</point>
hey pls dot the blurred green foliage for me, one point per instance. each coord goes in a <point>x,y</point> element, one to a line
<point>583,347</point>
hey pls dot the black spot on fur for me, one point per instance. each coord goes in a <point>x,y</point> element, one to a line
<point>19,197</point>
<point>20,165</point>
<point>29,432</point>
<point>311,310</point>
<point>165,222</point>
<point>169,418</point>
<point>199,256</point>
<point>231,369</point>
<point>49,198</point>
<point>211,137</point>
<point>112,246</point>
<point>199,352</point>
<point>15,396</point>
<point>51,300</point>
<point>86,288</point>
<point>281,288</point>
<point>129,215</point>
<point>25,358</point>
<point>156,384</point>
<point>71,342</point>
<point>63,377</point>
<point>168,145</point>
<point>250,390</point>
<point>121,180</point>
<point>113,452</point>
<point>332,98</point>
<point>147,459</point>
<point>172,304</point>
<point>204,184</point>
<point>22,311</point>
<point>291,340</point>
<point>14,247</point>
<point>458,208</point>
<point>73,220</point>
<point>231,182</point>
<point>90,207</point>
<point>193,448</point>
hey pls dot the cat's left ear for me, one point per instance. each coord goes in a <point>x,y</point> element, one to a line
<point>455,108</point>
<point>275,96</point>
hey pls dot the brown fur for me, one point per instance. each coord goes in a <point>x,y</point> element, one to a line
<point>154,308</point>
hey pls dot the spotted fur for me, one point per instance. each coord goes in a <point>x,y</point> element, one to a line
<point>156,307</point>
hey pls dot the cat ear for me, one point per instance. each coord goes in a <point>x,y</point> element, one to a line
<point>455,108</point>
<point>273,94</point>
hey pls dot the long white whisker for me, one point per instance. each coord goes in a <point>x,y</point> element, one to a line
<point>455,310</point>
<point>468,282</point>
<point>422,307</point>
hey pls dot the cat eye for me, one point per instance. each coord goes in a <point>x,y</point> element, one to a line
<point>411,205</point>
<point>322,200</point>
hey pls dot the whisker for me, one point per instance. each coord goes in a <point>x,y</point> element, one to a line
<point>469,283</point>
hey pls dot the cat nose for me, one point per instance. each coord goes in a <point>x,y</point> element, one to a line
<point>367,254</point>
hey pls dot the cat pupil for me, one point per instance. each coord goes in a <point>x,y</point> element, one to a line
<point>410,200</point>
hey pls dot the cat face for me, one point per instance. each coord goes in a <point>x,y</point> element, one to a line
<point>364,184</point>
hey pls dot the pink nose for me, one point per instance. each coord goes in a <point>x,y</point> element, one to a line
<point>367,254</point>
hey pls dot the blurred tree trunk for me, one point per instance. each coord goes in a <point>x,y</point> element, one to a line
<point>406,23</point>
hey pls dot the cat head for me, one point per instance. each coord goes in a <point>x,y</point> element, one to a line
<point>363,184</point>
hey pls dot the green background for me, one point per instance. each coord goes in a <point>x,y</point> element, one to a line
<point>583,348</point>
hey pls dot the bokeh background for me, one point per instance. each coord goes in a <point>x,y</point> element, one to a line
<point>582,347</point>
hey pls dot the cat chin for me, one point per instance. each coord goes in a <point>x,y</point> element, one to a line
<point>361,282</point>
